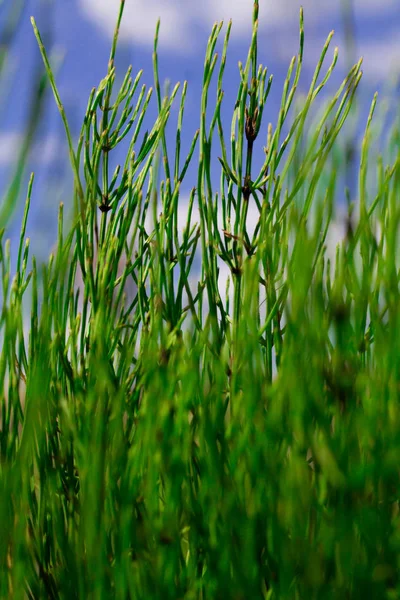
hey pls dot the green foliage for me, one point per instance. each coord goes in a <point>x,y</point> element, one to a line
<point>11,20</point>
<point>160,441</point>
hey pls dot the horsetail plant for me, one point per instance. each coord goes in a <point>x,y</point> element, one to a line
<point>165,436</point>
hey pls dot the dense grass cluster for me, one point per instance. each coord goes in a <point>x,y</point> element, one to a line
<point>162,437</point>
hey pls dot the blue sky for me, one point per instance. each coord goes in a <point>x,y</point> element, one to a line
<point>78,34</point>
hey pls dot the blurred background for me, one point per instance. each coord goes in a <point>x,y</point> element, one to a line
<point>77,35</point>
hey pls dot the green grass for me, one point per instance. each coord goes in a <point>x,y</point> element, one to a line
<point>164,438</point>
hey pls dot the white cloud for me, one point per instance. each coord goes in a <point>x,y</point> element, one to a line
<point>9,144</point>
<point>184,27</point>
<point>381,58</point>
<point>180,19</point>
<point>140,19</point>
<point>45,151</point>
<point>42,153</point>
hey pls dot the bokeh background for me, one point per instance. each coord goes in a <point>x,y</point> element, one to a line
<point>77,35</point>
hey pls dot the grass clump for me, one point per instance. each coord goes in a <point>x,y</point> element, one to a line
<point>162,437</point>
